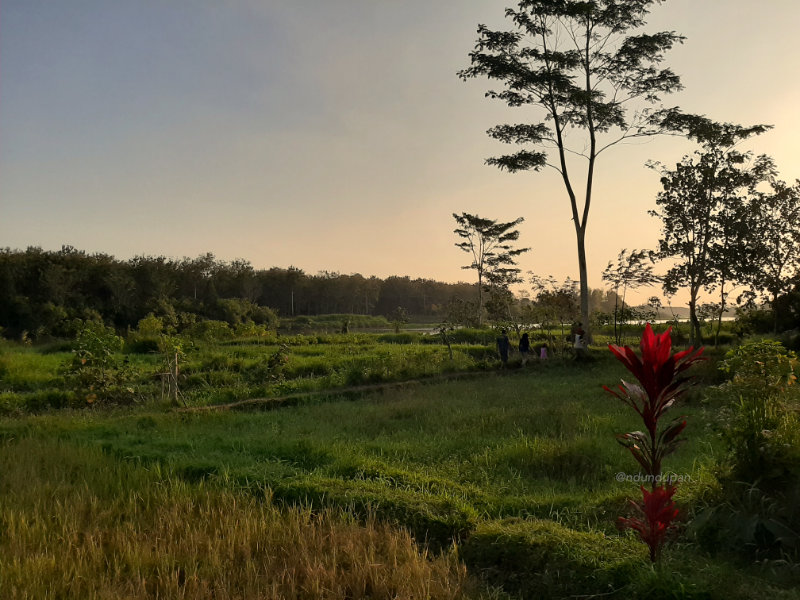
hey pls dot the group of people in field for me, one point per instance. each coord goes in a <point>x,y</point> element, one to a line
<point>525,351</point>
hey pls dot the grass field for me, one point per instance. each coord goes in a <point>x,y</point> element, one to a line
<point>502,484</point>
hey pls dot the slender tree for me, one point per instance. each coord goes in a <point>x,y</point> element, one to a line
<point>632,270</point>
<point>595,81</point>
<point>493,254</point>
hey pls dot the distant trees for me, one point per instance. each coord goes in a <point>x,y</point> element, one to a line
<point>555,304</point>
<point>489,244</point>
<point>583,67</point>
<point>43,293</point>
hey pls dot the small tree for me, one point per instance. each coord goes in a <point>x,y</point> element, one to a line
<point>96,373</point>
<point>555,304</point>
<point>399,317</point>
<point>493,255</point>
<point>630,272</point>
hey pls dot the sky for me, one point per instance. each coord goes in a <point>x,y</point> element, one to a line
<point>331,134</point>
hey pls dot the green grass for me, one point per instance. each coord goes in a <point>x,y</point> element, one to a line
<point>513,473</point>
<point>443,457</point>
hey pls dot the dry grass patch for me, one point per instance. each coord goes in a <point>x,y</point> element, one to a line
<point>76,524</point>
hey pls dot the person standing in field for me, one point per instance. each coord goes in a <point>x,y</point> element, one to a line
<point>524,348</point>
<point>503,346</point>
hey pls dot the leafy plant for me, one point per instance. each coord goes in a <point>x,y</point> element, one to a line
<point>759,425</point>
<point>764,365</point>
<point>661,382</point>
<point>95,371</point>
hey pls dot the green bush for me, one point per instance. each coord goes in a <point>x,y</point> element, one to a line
<point>95,373</point>
<point>761,366</point>
<point>757,510</point>
<point>210,331</point>
<point>543,559</point>
<point>759,423</point>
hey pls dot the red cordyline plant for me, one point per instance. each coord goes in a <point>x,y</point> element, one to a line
<point>662,380</point>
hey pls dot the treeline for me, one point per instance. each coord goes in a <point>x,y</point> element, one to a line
<point>43,292</point>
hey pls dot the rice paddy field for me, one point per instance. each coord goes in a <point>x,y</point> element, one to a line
<point>484,483</point>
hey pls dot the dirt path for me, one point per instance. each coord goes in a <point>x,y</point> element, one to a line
<point>349,392</point>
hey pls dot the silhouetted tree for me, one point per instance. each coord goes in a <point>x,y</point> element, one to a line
<point>632,270</point>
<point>696,205</point>
<point>777,235</point>
<point>489,244</point>
<point>581,64</point>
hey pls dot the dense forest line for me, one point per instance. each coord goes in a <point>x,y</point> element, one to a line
<point>42,292</point>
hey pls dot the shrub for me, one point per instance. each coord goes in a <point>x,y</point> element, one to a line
<point>758,508</point>
<point>95,372</point>
<point>760,427</point>
<point>760,366</point>
<point>210,331</point>
<point>150,326</point>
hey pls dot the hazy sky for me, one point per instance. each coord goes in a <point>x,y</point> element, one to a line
<point>329,134</point>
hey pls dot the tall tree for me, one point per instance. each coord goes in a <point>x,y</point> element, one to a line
<point>701,201</point>
<point>593,80</point>
<point>493,254</point>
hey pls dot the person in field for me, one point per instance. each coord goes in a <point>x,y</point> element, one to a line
<point>503,346</point>
<point>524,348</point>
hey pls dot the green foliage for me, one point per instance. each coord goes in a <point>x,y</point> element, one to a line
<point>210,331</point>
<point>760,425</point>
<point>150,326</point>
<point>761,367</point>
<point>756,511</point>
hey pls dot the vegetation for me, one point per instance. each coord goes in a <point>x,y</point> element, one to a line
<point>505,483</point>
<point>46,295</point>
<point>630,272</point>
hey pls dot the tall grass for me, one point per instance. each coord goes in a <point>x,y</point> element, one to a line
<point>76,524</point>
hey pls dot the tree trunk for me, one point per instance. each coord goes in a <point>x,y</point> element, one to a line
<point>695,335</point>
<point>774,314</point>
<point>480,298</point>
<point>581,233</point>
<point>722,297</point>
